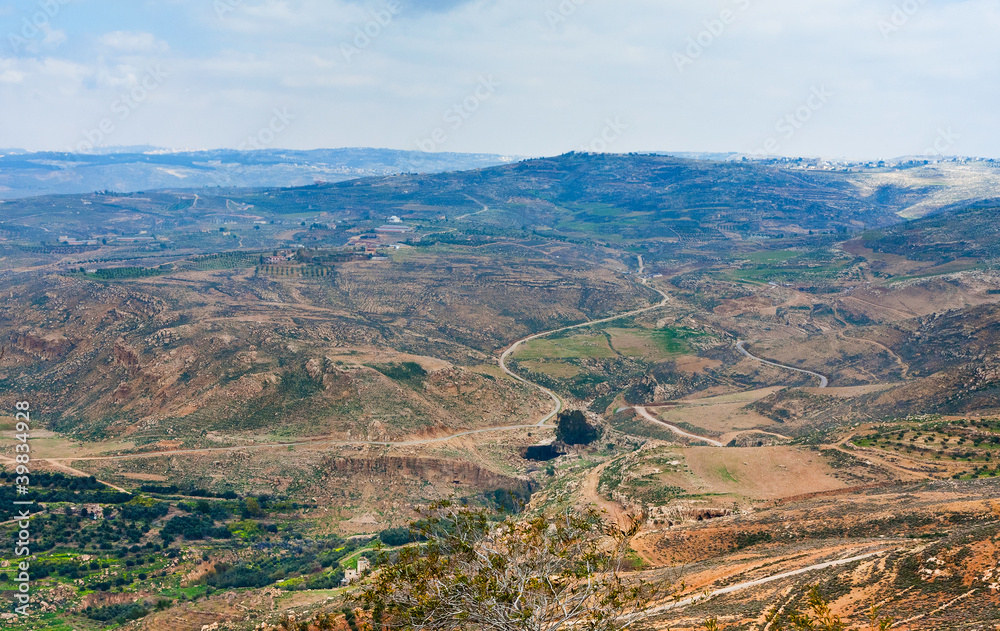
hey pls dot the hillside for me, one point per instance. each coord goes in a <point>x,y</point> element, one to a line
<point>630,197</point>
<point>252,387</point>
<point>236,351</point>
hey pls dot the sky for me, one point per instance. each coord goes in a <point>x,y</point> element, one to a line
<point>855,79</point>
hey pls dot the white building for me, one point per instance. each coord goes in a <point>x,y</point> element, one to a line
<point>352,575</point>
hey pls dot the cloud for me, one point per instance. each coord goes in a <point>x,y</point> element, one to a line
<point>134,42</point>
<point>53,37</point>
<point>566,67</point>
<point>11,76</point>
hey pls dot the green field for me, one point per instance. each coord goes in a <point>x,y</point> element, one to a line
<point>653,344</point>
<point>650,344</point>
<point>577,346</point>
<point>676,341</point>
<point>779,256</point>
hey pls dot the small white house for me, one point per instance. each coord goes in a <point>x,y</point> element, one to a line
<point>395,219</point>
<point>352,575</point>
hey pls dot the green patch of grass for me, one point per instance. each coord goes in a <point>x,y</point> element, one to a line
<point>779,256</point>
<point>556,369</point>
<point>633,559</point>
<point>55,622</point>
<point>675,340</point>
<point>573,347</point>
<point>598,210</point>
<point>725,474</point>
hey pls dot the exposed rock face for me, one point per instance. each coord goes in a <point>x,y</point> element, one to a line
<point>47,347</point>
<point>756,439</point>
<point>122,355</point>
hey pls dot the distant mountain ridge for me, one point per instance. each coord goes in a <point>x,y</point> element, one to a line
<point>25,174</point>
<point>643,196</point>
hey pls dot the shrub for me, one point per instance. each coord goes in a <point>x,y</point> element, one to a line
<point>395,536</point>
<point>573,429</point>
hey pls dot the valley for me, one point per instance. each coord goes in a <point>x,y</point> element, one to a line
<point>794,375</point>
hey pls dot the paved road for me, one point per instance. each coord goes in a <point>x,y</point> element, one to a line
<point>552,395</point>
<point>756,583</point>
<point>823,381</point>
<point>409,443</point>
<point>649,417</point>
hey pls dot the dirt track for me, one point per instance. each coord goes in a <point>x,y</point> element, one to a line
<point>755,583</point>
<point>823,380</point>
<point>649,417</point>
<point>410,443</point>
<point>555,398</point>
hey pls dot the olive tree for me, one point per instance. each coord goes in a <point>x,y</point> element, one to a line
<point>514,574</point>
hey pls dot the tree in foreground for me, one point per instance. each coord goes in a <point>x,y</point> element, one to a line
<point>511,575</point>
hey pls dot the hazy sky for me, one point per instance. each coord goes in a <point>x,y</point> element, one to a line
<point>836,78</point>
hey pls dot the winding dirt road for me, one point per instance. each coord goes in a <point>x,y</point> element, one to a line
<point>755,583</point>
<point>467,215</point>
<point>644,413</point>
<point>552,395</point>
<point>823,380</point>
<point>556,400</point>
<point>558,404</point>
<point>904,367</point>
